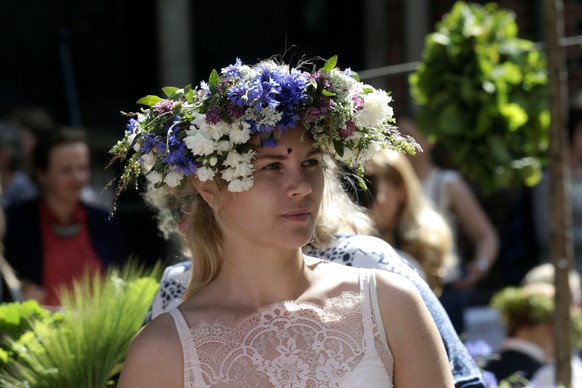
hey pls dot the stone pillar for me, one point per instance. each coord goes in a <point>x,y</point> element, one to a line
<point>416,27</point>
<point>176,45</point>
<point>376,38</point>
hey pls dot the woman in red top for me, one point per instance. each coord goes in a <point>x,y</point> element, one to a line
<point>64,236</point>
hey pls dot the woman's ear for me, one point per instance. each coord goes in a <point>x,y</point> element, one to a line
<point>206,189</point>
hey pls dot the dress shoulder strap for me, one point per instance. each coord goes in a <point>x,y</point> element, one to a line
<point>368,291</point>
<point>188,348</point>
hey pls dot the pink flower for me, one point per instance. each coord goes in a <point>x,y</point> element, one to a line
<point>348,131</point>
<point>163,106</point>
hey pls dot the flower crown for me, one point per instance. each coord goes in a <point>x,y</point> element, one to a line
<point>206,130</point>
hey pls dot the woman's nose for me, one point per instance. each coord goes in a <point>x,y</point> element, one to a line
<point>299,184</point>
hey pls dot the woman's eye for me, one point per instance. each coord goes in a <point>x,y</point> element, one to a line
<point>273,166</point>
<point>311,163</point>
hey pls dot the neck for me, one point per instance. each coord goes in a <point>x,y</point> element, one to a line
<point>540,335</point>
<point>64,211</point>
<point>254,278</point>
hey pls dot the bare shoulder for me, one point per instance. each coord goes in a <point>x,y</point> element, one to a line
<point>396,289</point>
<point>159,332</point>
<point>412,335</point>
<point>155,356</point>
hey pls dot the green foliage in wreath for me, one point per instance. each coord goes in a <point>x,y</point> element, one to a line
<point>482,92</point>
<point>512,302</point>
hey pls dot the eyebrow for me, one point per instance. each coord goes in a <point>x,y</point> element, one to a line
<point>285,156</point>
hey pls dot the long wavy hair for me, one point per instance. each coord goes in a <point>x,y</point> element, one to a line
<point>420,230</point>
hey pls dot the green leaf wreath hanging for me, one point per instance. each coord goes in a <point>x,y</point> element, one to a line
<point>482,92</point>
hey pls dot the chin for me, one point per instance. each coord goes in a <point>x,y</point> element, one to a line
<point>298,241</point>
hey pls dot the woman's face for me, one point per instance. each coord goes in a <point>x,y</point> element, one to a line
<point>386,206</point>
<point>67,172</point>
<point>281,208</point>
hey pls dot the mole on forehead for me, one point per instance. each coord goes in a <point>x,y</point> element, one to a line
<point>289,150</point>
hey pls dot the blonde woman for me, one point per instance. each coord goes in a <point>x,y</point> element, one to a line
<point>406,219</point>
<point>258,312</point>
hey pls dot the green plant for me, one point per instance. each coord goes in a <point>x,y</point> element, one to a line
<point>15,320</point>
<point>482,92</point>
<point>87,346</point>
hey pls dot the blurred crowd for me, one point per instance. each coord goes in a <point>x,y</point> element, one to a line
<point>56,222</point>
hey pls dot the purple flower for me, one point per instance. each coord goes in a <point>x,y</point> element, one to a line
<point>163,106</point>
<point>214,115</point>
<point>234,110</point>
<point>322,81</point>
<point>489,379</point>
<point>348,130</point>
<point>479,348</point>
<point>358,102</point>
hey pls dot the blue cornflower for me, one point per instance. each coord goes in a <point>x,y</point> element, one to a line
<point>289,120</point>
<point>267,86</point>
<point>292,96</point>
<point>239,94</point>
<point>233,70</point>
<point>175,148</point>
<point>270,142</point>
<point>152,142</point>
<point>255,128</point>
<point>131,126</point>
<point>265,92</point>
<point>177,155</point>
<point>205,88</point>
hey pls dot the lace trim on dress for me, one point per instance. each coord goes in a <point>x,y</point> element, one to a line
<point>292,344</point>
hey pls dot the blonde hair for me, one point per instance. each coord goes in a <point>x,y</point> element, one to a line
<point>423,232</point>
<point>338,214</point>
<point>545,273</point>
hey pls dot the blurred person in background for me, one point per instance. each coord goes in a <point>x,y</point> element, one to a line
<point>528,351</point>
<point>15,183</point>
<point>545,274</point>
<point>32,122</point>
<point>541,195</point>
<point>51,240</point>
<point>405,218</point>
<point>455,200</point>
<point>528,315</point>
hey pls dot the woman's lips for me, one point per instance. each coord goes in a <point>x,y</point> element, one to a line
<point>302,215</point>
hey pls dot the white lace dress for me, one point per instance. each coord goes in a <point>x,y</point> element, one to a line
<point>293,344</point>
